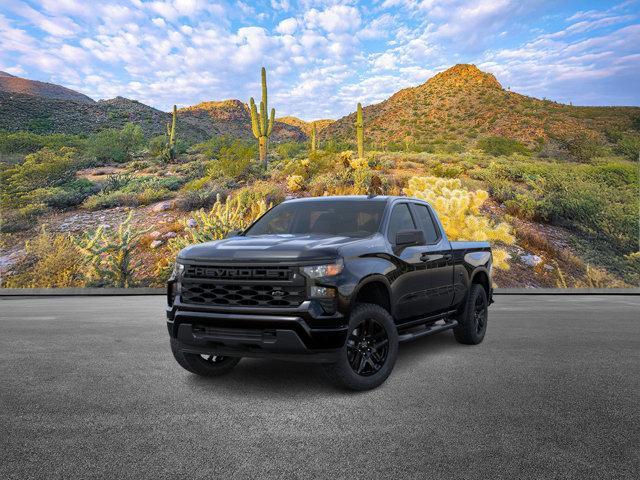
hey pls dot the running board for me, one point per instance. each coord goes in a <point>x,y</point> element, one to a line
<point>427,330</point>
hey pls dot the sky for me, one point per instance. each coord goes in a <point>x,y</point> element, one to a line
<point>322,57</point>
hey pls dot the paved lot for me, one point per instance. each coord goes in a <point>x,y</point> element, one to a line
<point>89,389</point>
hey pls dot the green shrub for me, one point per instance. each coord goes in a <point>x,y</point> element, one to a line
<point>629,146</point>
<point>16,220</point>
<point>447,170</point>
<point>44,169</point>
<point>116,145</point>
<point>27,142</point>
<point>233,160</point>
<point>498,146</point>
<point>188,201</point>
<point>211,148</point>
<point>122,198</point>
<point>581,146</point>
<point>289,150</point>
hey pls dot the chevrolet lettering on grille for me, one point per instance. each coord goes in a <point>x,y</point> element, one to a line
<point>238,273</point>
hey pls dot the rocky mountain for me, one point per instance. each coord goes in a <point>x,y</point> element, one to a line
<point>464,103</point>
<point>305,126</point>
<point>47,108</point>
<point>16,85</point>
<point>232,117</point>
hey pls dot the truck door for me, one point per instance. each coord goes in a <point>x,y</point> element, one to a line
<point>436,261</point>
<point>407,288</point>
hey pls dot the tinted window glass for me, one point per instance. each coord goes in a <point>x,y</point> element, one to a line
<point>429,228</point>
<point>348,218</point>
<point>400,220</point>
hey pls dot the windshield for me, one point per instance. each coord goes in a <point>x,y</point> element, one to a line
<point>347,218</point>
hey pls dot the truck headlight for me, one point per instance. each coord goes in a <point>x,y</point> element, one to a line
<point>328,270</point>
<point>178,270</point>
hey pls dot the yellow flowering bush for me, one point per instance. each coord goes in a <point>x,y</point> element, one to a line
<point>459,212</point>
<point>216,223</point>
<point>295,183</point>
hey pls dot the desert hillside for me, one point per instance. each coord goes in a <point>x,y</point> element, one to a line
<point>463,104</point>
<point>11,84</point>
<point>27,105</point>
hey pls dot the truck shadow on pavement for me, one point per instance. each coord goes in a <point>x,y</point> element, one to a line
<point>278,378</point>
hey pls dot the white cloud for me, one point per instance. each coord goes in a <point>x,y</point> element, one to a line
<point>335,19</point>
<point>287,26</point>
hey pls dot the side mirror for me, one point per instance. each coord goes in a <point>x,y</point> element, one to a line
<point>233,233</point>
<point>406,238</point>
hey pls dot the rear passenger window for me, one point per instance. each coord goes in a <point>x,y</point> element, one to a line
<point>428,226</point>
<point>400,220</point>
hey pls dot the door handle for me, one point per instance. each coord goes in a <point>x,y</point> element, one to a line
<point>427,257</point>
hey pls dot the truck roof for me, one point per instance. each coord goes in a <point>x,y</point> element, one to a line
<point>372,198</point>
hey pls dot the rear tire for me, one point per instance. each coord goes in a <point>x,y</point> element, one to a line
<point>472,322</point>
<point>370,352</point>
<point>203,365</point>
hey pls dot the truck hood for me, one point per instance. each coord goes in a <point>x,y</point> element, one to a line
<point>268,248</point>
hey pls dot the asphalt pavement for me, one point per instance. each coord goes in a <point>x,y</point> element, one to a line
<point>89,389</point>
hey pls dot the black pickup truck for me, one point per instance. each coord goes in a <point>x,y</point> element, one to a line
<point>336,280</point>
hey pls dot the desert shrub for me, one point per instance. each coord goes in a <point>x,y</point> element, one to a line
<point>289,150</point>
<point>116,145</point>
<point>28,142</point>
<point>44,169</point>
<point>190,200</point>
<point>523,206</point>
<point>232,160</point>
<point>295,183</point>
<point>582,146</point>
<point>600,200</point>
<point>217,222</point>
<point>447,170</point>
<point>629,146</point>
<point>23,218</point>
<point>157,145</point>
<point>124,198</point>
<point>68,195</point>
<point>52,261</point>
<point>336,146</point>
<point>211,148</point>
<point>108,254</point>
<point>459,212</point>
<point>258,192</point>
<point>498,146</point>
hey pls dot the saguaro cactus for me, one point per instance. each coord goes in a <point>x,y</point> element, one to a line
<point>314,140</point>
<point>360,132</point>
<point>260,124</point>
<point>171,136</point>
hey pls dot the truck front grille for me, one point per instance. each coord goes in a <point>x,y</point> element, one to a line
<point>243,286</point>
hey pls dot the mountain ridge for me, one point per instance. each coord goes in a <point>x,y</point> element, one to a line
<point>463,103</point>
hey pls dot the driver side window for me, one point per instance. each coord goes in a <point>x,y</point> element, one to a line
<point>401,219</point>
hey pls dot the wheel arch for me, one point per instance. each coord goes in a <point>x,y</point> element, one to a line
<point>373,289</point>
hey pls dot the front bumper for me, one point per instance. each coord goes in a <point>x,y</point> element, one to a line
<point>303,333</point>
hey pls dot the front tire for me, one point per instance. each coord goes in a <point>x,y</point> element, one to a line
<point>472,322</point>
<point>204,365</point>
<point>370,352</point>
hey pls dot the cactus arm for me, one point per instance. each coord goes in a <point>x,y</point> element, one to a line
<point>271,120</point>
<point>254,118</point>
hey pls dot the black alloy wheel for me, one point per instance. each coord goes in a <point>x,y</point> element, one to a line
<point>367,347</point>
